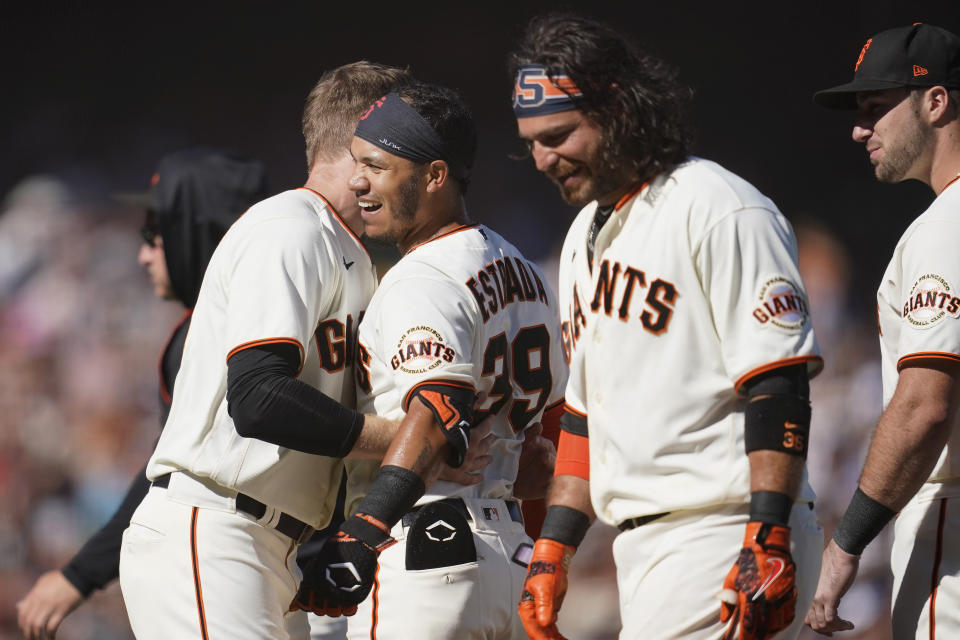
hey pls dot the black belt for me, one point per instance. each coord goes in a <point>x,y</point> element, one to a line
<point>513,508</point>
<point>287,524</point>
<point>633,523</point>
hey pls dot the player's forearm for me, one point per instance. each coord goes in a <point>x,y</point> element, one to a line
<point>775,471</point>
<point>268,402</point>
<point>419,444</point>
<point>910,436</point>
<point>375,438</point>
<point>573,492</point>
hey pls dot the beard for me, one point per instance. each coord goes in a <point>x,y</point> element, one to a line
<point>901,153</point>
<point>407,203</point>
<point>601,174</point>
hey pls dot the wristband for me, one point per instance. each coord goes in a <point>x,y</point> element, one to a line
<point>771,507</point>
<point>863,520</point>
<point>565,525</point>
<point>392,493</point>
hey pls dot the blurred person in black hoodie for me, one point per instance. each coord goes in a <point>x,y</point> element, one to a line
<point>194,197</point>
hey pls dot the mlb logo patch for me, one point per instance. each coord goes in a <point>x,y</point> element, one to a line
<point>491,513</point>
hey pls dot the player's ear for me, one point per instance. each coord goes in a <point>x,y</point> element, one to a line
<point>937,101</point>
<point>438,173</point>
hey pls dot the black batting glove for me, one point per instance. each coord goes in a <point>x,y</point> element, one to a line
<point>341,575</point>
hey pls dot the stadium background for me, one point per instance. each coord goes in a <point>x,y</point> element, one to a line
<point>94,95</point>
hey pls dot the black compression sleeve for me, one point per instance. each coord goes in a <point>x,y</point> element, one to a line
<point>98,561</point>
<point>268,402</point>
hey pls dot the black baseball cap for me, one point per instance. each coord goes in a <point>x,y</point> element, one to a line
<point>920,55</point>
<point>217,175</point>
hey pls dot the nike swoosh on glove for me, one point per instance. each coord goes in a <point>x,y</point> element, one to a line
<point>759,596</point>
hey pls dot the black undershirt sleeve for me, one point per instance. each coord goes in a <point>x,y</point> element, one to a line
<point>98,561</point>
<point>792,379</point>
<point>268,402</point>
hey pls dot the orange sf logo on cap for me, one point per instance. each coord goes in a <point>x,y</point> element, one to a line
<point>862,51</point>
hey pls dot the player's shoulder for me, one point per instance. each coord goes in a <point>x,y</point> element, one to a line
<point>713,186</point>
<point>700,195</point>
<point>938,226</point>
<point>943,210</point>
<point>296,212</point>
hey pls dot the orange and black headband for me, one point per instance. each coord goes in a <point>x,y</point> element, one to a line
<point>538,92</point>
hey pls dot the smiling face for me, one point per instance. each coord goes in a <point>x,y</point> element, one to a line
<point>387,188</point>
<point>888,122</point>
<point>568,148</point>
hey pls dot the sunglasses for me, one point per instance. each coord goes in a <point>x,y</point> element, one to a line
<point>149,235</point>
<point>150,231</point>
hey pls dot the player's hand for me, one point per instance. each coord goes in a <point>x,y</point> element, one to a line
<point>544,589</point>
<point>341,575</point>
<point>41,611</point>
<point>538,456</point>
<point>836,575</point>
<point>477,458</point>
<point>759,595</point>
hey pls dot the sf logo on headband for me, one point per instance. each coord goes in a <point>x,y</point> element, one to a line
<point>534,93</point>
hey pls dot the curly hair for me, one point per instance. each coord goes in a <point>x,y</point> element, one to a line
<point>445,110</point>
<point>634,97</point>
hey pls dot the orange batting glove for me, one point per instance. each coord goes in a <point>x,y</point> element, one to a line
<point>544,589</point>
<point>760,594</point>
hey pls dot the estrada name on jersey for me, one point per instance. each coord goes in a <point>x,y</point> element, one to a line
<point>693,290</point>
<point>466,309</point>
<point>304,279</point>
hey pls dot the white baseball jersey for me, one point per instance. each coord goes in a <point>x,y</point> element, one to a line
<point>918,306</point>
<point>693,290</point>
<point>918,309</point>
<point>466,308</point>
<point>290,271</point>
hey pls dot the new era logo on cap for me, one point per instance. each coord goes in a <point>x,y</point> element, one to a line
<point>920,55</point>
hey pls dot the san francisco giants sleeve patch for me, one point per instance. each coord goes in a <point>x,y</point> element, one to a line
<point>931,299</point>
<point>781,304</point>
<point>421,349</point>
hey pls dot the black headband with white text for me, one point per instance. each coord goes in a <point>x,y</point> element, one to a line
<point>396,127</point>
<point>537,92</point>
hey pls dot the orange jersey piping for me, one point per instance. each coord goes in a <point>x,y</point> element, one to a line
<point>569,409</point>
<point>447,383</point>
<point>196,573</point>
<point>935,576</point>
<point>258,343</point>
<point>374,614</point>
<point>927,355</point>
<point>629,195</point>
<point>336,214</point>
<point>551,421</point>
<point>462,227</point>
<point>786,362</point>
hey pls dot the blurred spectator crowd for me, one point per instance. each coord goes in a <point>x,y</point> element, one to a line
<point>80,335</point>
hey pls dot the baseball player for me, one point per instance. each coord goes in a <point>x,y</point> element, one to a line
<point>195,196</point>
<point>462,314</point>
<point>906,93</point>
<point>690,348</point>
<point>250,461</point>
